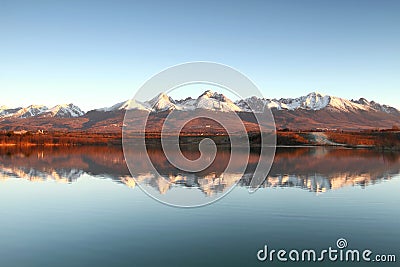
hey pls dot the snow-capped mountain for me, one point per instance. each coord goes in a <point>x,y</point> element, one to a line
<point>129,104</point>
<point>30,111</point>
<point>313,101</point>
<point>63,111</point>
<point>215,101</point>
<point>161,102</point>
<point>58,111</point>
<point>218,102</point>
<point>5,111</point>
<point>208,100</point>
<point>376,106</point>
<point>312,111</point>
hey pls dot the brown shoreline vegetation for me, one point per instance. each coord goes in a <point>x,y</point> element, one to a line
<point>27,138</point>
<point>388,139</point>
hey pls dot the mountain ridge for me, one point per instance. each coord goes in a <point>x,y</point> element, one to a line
<point>58,111</point>
<point>219,102</point>
<point>313,111</point>
<point>208,100</point>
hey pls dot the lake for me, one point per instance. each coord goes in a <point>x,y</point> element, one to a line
<point>79,206</point>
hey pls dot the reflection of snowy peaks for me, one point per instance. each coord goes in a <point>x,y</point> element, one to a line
<point>218,102</point>
<point>209,184</point>
<point>322,183</point>
<point>59,111</point>
<point>33,175</point>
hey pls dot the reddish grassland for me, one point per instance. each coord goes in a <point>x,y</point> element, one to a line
<point>59,139</point>
<point>381,139</point>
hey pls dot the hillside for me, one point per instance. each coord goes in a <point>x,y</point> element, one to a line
<point>314,111</point>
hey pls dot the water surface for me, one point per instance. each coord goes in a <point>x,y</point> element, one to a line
<point>79,206</point>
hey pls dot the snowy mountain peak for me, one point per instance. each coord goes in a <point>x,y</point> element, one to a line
<point>126,105</point>
<point>30,111</point>
<point>362,101</point>
<point>316,93</point>
<point>3,110</point>
<point>375,106</point>
<point>207,93</point>
<point>64,111</point>
<point>214,101</point>
<point>215,95</point>
<point>59,111</point>
<point>218,102</point>
<point>313,101</point>
<point>162,102</point>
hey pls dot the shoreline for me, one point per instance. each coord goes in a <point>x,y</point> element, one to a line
<point>381,140</point>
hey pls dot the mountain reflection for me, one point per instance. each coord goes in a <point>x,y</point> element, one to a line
<point>315,169</point>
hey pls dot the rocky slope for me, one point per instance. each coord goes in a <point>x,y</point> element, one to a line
<point>311,112</point>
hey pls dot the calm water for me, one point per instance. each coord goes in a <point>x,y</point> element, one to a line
<point>81,207</point>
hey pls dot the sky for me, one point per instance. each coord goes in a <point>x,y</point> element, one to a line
<point>97,53</point>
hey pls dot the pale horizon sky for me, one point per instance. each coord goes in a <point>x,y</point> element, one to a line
<point>97,53</point>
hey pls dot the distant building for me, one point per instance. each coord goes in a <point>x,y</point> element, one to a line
<point>20,132</point>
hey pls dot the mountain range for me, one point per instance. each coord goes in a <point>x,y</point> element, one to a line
<point>311,111</point>
<point>218,102</point>
<point>58,111</point>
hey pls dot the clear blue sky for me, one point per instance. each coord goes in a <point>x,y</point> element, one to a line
<point>97,53</point>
